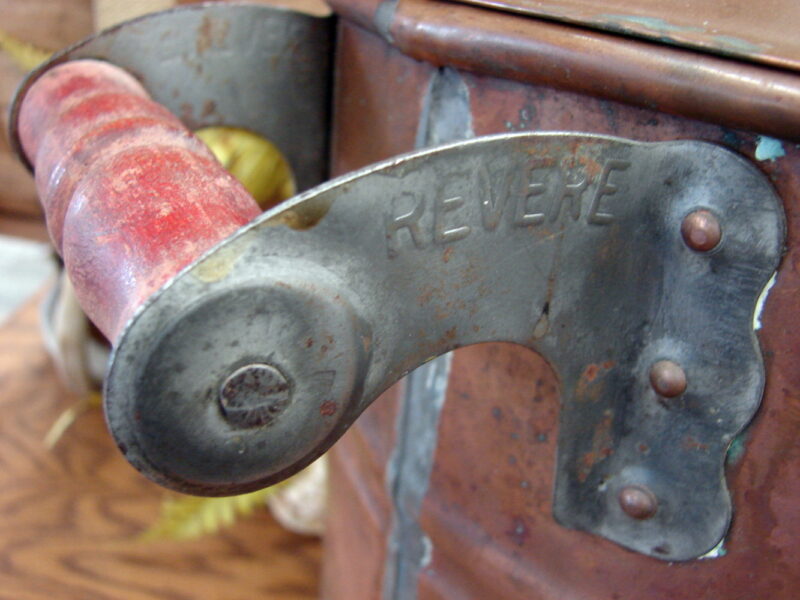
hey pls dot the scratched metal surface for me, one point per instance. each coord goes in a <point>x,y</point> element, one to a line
<point>354,284</point>
<point>488,510</point>
<point>731,28</point>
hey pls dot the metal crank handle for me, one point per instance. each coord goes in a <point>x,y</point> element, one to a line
<point>633,268</point>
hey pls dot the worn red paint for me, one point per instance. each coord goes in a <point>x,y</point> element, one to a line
<point>131,196</point>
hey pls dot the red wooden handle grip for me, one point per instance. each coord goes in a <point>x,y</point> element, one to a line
<point>130,195</point>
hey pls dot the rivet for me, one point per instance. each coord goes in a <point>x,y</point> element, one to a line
<point>701,230</point>
<point>638,502</point>
<point>668,378</point>
<point>254,395</point>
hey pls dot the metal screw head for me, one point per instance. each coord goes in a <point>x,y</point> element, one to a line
<point>254,395</point>
<point>701,230</point>
<point>668,378</point>
<point>638,502</point>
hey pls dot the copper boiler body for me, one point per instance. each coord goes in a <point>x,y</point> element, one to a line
<point>484,523</point>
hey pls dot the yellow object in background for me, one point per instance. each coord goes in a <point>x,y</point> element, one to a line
<point>26,56</point>
<point>189,517</point>
<point>254,161</point>
<point>107,13</point>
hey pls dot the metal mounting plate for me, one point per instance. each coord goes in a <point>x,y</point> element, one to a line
<point>567,244</point>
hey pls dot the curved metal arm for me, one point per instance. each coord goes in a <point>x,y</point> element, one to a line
<point>257,358</point>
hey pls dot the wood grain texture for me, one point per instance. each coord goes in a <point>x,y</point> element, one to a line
<point>69,518</point>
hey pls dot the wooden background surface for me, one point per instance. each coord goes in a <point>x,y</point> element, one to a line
<point>49,25</point>
<point>69,517</point>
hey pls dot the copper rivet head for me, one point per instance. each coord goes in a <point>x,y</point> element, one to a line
<point>638,502</point>
<point>668,378</point>
<point>701,231</point>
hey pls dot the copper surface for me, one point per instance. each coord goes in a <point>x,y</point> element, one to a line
<point>667,378</point>
<point>729,27</point>
<point>701,231</point>
<point>656,76</point>
<point>487,512</point>
<point>638,502</point>
<point>393,99</point>
<point>360,12</point>
<point>359,513</point>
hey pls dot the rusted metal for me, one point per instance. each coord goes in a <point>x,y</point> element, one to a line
<point>254,395</point>
<point>638,502</point>
<point>701,230</point>
<point>731,28</point>
<point>486,515</point>
<point>131,197</point>
<point>372,95</point>
<point>668,378</point>
<point>671,80</point>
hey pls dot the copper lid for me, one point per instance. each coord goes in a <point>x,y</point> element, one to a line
<point>762,32</point>
<point>662,74</point>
